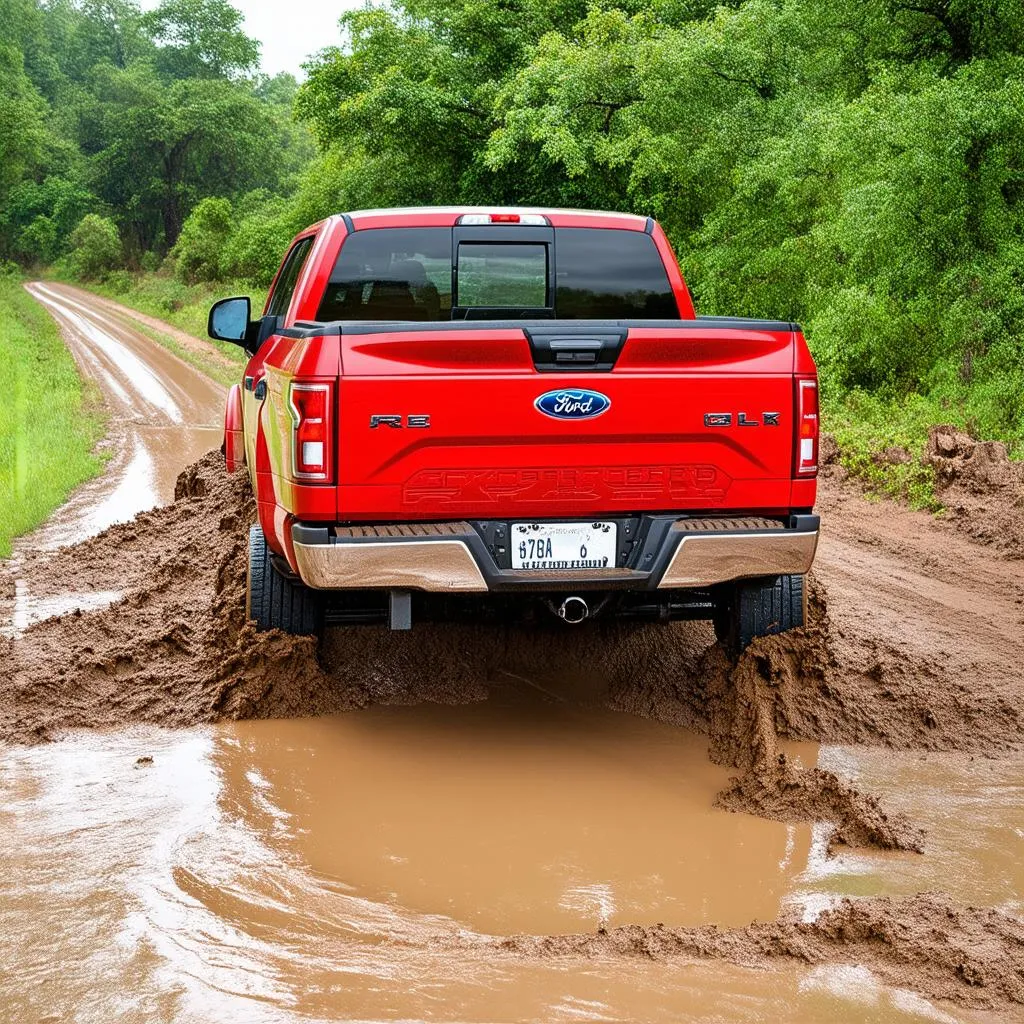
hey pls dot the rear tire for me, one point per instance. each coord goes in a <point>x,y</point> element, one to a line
<point>273,601</point>
<point>747,609</point>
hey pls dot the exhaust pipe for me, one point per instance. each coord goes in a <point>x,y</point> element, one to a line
<point>573,610</point>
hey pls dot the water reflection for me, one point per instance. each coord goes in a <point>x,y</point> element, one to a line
<point>306,870</point>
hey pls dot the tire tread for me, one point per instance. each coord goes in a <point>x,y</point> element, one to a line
<point>748,609</point>
<point>275,601</point>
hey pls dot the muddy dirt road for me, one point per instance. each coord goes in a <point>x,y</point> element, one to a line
<point>164,414</point>
<point>466,824</point>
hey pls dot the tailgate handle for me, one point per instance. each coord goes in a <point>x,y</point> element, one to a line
<point>589,350</point>
<point>576,350</point>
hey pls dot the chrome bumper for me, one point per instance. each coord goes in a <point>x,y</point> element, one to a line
<point>703,559</point>
<point>452,558</point>
<point>435,565</point>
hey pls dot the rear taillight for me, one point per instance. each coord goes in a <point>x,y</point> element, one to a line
<point>311,406</point>
<point>806,442</point>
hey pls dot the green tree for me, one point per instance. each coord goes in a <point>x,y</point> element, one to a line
<point>23,127</point>
<point>160,149</point>
<point>39,216</point>
<point>202,39</point>
<point>199,251</point>
<point>95,247</point>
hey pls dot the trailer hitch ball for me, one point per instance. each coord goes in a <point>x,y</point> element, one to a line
<point>573,610</point>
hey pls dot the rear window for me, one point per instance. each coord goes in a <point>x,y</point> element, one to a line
<point>406,274</point>
<point>608,274</point>
<point>391,274</point>
<point>502,275</point>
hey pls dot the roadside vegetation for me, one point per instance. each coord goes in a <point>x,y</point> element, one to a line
<point>852,167</point>
<point>882,443</point>
<point>186,306</point>
<point>50,421</point>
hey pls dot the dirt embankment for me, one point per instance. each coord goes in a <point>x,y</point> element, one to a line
<point>981,489</point>
<point>971,956</point>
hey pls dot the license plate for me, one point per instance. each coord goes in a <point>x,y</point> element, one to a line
<point>563,545</point>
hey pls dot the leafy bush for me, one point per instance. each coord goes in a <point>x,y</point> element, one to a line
<point>199,251</point>
<point>95,247</point>
<point>259,239</point>
<point>118,281</point>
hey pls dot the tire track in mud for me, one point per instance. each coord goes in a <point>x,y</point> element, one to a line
<point>896,656</point>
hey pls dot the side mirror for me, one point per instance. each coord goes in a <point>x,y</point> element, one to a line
<point>229,320</point>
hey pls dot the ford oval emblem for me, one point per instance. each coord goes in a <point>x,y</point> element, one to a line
<point>573,404</point>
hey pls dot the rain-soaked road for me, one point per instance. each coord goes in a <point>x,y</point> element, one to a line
<point>300,870</point>
<point>164,414</point>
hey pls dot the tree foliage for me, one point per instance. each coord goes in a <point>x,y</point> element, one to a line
<point>857,167</point>
<point>201,39</point>
<point>95,247</point>
<point>134,116</point>
<point>199,251</point>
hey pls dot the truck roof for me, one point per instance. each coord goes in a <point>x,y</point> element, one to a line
<point>446,216</point>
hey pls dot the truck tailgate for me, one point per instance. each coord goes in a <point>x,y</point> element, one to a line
<point>443,422</point>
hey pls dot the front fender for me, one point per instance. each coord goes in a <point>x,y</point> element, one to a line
<point>234,433</point>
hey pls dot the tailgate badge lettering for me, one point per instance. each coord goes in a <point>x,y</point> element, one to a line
<point>725,419</point>
<point>413,422</point>
<point>573,404</point>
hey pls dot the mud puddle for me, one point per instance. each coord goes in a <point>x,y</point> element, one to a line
<point>515,816</point>
<point>972,809</point>
<point>352,868</point>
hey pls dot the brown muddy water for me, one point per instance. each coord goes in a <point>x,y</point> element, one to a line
<point>311,869</point>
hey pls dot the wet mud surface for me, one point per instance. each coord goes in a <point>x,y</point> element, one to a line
<point>576,787</point>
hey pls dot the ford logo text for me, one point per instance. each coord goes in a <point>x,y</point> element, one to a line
<point>573,404</point>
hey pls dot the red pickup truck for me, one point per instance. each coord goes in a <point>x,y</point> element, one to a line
<point>509,413</point>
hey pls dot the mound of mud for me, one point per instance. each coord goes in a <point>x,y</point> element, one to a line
<point>743,735</point>
<point>175,648</point>
<point>970,956</point>
<point>979,485</point>
<point>774,689</point>
<point>981,489</point>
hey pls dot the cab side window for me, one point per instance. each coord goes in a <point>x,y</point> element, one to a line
<point>281,298</point>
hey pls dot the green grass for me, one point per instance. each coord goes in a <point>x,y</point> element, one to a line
<point>50,422</point>
<point>864,425</point>
<point>183,305</point>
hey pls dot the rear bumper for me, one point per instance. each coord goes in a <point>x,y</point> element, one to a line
<point>666,553</point>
